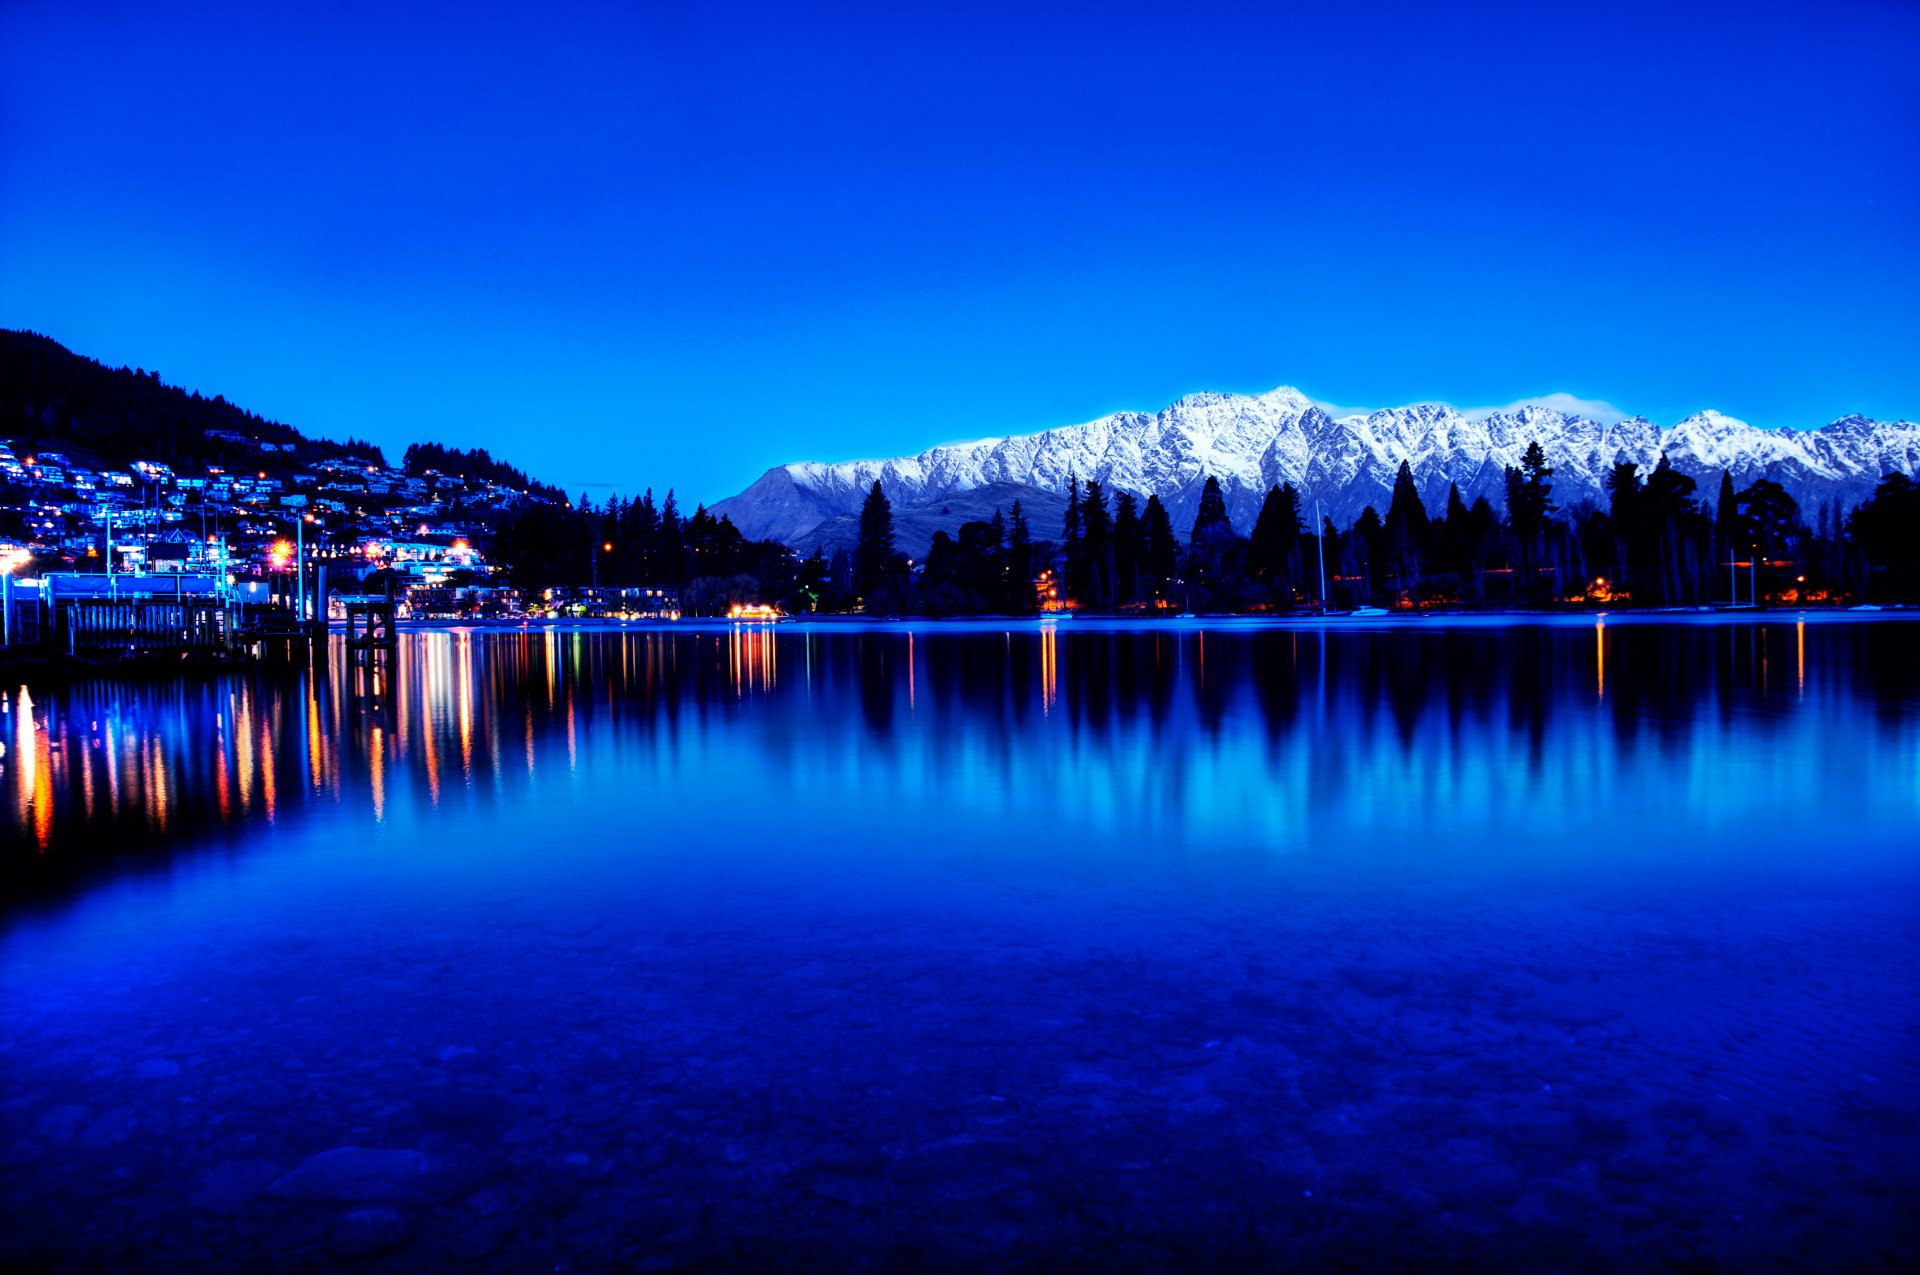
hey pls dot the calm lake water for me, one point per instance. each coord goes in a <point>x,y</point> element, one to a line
<point>1564,945</point>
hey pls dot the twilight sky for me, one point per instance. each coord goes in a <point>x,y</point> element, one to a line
<point>674,244</point>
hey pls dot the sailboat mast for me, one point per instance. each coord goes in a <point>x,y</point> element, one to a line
<point>1320,542</point>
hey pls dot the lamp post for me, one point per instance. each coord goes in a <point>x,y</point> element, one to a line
<point>277,558</point>
<point>300,567</point>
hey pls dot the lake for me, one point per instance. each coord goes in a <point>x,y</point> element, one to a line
<point>1560,944</point>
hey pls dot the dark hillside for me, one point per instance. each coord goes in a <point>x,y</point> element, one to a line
<point>53,398</point>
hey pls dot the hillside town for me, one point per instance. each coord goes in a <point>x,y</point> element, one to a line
<point>364,522</point>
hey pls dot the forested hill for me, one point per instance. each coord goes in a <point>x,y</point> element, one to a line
<point>53,398</point>
<point>474,462</point>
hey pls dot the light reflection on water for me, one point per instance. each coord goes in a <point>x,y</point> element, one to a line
<point>1471,941</point>
<point>1241,736</point>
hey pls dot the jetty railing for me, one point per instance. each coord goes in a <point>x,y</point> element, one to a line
<point>142,624</point>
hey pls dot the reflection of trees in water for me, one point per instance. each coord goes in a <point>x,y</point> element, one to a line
<point>95,768</point>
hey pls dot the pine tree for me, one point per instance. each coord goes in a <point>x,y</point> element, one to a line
<point>1726,514</point>
<point>1407,527</point>
<point>1406,514</point>
<point>1626,510</point>
<point>1162,559</point>
<point>1095,589</point>
<point>1369,540</point>
<point>1456,541</point>
<point>1885,530</point>
<point>1019,597</point>
<point>1209,543</point>
<point>1129,548</point>
<point>673,553</point>
<point>1210,520</point>
<point>1274,548</point>
<point>1727,531</point>
<point>1669,513</point>
<point>873,549</point>
<point>1529,501</point>
<point>1073,561</point>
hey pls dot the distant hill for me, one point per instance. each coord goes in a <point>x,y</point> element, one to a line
<point>55,399</point>
<point>914,523</point>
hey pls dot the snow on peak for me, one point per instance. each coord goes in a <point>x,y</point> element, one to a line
<point>1344,458</point>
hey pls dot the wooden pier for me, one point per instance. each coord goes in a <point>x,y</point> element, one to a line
<point>143,625</point>
<point>371,631</point>
<point>86,621</point>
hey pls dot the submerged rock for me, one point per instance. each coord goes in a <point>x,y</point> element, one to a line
<point>350,1174</point>
<point>233,1184</point>
<point>464,1110</point>
<point>854,1192</point>
<point>1376,983</point>
<point>111,1128</point>
<point>63,1122</point>
<point>369,1232</point>
<point>1570,1012</point>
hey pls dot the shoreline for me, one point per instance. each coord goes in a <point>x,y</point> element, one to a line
<point>32,668</point>
<point>1291,620</point>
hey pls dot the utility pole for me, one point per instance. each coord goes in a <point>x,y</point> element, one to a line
<point>300,564</point>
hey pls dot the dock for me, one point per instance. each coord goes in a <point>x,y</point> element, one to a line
<point>82,620</point>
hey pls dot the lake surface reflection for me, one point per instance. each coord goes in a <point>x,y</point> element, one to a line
<point>1558,943</point>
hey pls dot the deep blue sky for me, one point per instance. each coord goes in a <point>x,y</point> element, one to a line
<point>675,244</point>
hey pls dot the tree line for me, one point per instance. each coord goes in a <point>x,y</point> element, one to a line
<point>473,462</point>
<point>1654,543</point>
<point>636,543</point>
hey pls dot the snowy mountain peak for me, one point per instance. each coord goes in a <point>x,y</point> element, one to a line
<point>1251,442</point>
<point>1718,423</point>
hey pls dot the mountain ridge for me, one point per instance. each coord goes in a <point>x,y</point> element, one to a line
<point>1251,442</point>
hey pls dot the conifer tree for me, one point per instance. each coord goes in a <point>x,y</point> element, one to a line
<point>1726,532</point>
<point>1129,548</point>
<point>873,549</point>
<point>1669,515</point>
<point>1529,501</point>
<point>1019,597</point>
<point>1406,527</point>
<point>1210,520</point>
<point>1072,561</point>
<point>1162,559</point>
<point>1274,548</point>
<point>1456,540</point>
<point>1095,586</point>
<point>1369,540</point>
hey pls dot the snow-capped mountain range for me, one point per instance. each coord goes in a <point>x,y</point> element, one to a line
<point>1342,462</point>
